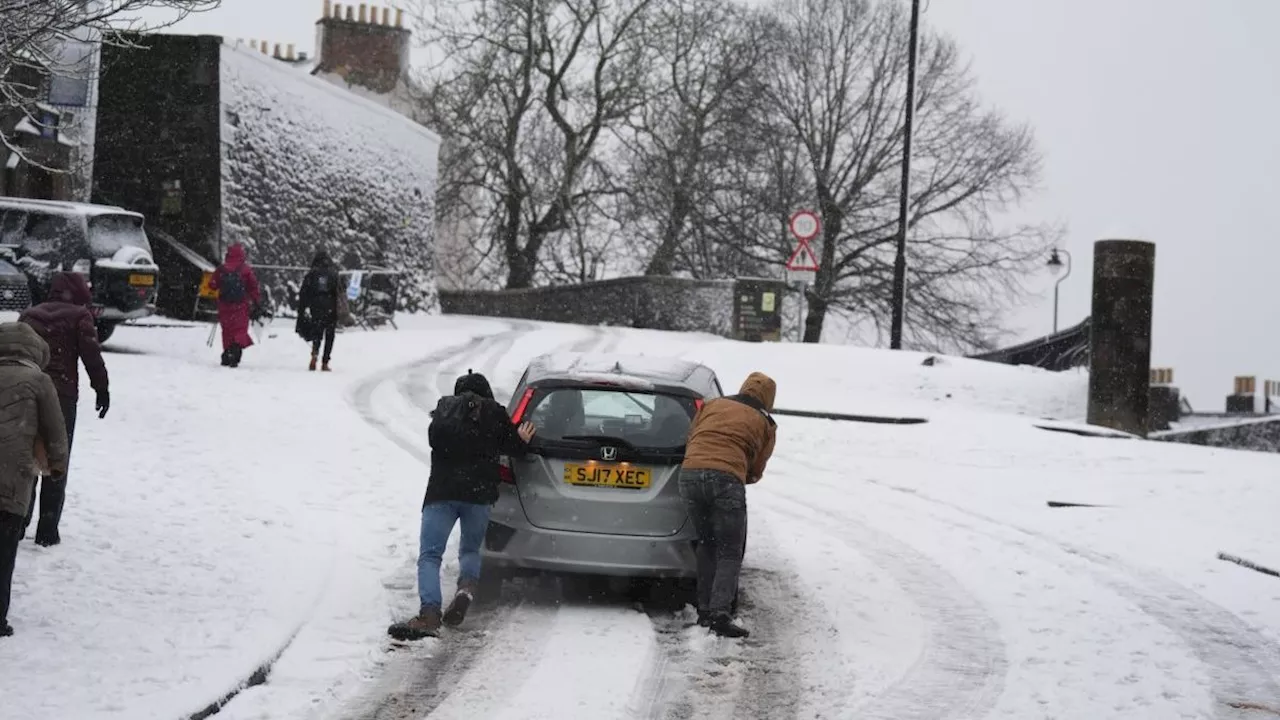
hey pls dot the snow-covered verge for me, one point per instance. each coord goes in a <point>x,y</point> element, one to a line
<point>892,571</point>
<point>307,165</point>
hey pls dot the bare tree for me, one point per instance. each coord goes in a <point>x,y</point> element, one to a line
<point>679,146</point>
<point>43,41</point>
<point>526,90</point>
<point>838,84</point>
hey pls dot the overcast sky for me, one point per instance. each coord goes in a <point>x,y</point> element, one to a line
<point>1156,118</point>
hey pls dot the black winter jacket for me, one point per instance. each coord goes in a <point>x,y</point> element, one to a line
<point>318,296</point>
<point>470,473</point>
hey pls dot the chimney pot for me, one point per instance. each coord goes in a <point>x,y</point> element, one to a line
<point>276,52</point>
<point>265,47</point>
<point>253,44</point>
<point>328,8</point>
<point>399,17</point>
<point>351,13</point>
<point>289,52</point>
<point>364,13</point>
<point>337,11</point>
<point>386,16</point>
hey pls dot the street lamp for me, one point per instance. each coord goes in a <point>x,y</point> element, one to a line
<point>1056,266</point>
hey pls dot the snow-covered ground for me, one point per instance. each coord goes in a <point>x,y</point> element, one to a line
<point>218,519</point>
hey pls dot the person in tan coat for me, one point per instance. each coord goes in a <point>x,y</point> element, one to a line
<point>730,443</point>
<point>31,432</point>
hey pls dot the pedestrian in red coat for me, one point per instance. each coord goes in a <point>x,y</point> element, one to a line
<point>238,293</point>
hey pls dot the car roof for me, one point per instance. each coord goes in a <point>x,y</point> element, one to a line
<point>644,370</point>
<point>58,207</point>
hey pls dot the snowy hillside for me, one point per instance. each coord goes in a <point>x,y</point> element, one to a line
<point>298,151</point>
<point>910,571</point>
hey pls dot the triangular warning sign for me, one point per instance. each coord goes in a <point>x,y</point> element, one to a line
<point>803,259</point>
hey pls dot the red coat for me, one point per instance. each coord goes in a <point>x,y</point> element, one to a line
<point>65,323</point>
<point>234,317</point>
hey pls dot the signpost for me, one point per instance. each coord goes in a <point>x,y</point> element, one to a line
<point>803,263</point>
<point>353,288</point>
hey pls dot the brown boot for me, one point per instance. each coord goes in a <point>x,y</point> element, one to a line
<point>314,360</point>
<point>425,624</point>
<point>325,367</point>
<point>457,611</point>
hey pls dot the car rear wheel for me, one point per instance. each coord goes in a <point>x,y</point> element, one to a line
<point>105,330</point>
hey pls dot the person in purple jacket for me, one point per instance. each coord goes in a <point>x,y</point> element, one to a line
<point>66,324</point>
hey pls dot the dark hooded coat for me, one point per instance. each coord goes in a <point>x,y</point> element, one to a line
<point>468,471</point>
<point>318,298</point>
<point>66,325</point>
<point>735,434</point>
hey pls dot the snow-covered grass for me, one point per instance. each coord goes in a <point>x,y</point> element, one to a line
<point>892,571</point>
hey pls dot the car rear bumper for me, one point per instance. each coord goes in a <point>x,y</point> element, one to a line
<point>513,544</point>
<point>112,314</point>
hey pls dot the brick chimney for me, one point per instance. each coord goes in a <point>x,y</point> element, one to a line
<point>368,47</point>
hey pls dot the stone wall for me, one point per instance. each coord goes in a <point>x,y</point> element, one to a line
<point>1262,435</point>
<point>659,303</point>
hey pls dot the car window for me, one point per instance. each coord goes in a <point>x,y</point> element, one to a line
<point>643,419</point>
<point>48,235</point>
<point>11,226</point>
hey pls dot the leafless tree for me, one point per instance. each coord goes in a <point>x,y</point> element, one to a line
<point>679,148</point>
<point>524,94</point>
<point>838,84</point>
<point>44,40</point>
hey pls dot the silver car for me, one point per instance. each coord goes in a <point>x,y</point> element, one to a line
<point>598,493</point>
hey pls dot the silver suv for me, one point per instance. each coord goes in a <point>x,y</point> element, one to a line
<point>598,493</point>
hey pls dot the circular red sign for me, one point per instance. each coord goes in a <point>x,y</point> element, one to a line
<point>805,225</point>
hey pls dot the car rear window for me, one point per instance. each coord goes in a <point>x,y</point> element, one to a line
<point>643,419</point>
<point>109,233</point>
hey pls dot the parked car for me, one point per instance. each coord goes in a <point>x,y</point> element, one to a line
<point>106,244</point>
<point>15,293</point>
<point>598,492</point>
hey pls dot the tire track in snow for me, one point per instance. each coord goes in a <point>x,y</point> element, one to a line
<point>961,672</point>
<point>416,684</point>
<point>1243,665</point>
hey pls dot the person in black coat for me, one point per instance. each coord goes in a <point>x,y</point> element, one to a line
<point>318,301</point>
<point>468,431</point>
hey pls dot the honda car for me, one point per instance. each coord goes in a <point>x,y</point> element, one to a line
<point>598,492</point>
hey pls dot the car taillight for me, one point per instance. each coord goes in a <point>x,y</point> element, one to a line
<point>697,404</point>
<point>518,416</point>
<point>504,471</point>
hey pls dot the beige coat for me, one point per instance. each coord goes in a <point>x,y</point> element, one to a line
<point>732,436</point>
<point>29,414</point>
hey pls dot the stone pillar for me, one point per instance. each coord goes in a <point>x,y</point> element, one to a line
<point>1120,344</point>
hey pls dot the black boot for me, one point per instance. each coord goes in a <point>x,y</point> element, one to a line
<point>47,530</point>
<point>6,630</point>
<point>724,626</point>
<point>704,619</point>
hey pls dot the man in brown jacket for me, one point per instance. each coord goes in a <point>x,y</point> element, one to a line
<point>729,444</point>
<point>29,412</point>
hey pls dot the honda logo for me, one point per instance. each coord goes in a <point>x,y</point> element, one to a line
<point>609,453</point>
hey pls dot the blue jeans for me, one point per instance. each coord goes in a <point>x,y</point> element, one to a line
<point>717,504</point>
<point>438,519</point>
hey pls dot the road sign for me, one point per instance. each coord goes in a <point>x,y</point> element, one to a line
<point>353,288</point>
<point>803,258</point>
<point>804,225</point>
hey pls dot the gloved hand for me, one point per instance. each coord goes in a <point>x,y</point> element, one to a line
<point>103,404</point>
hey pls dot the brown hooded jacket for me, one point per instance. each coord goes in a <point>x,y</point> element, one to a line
<point>735,434</point>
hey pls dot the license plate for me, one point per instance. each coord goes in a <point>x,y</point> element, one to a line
<point>605,475</point>
<point>145,280</point>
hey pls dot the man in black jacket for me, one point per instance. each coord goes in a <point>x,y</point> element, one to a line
<point>468,431</point>
<point>318,301</point>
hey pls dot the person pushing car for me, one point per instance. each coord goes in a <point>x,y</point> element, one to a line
<point>730,442</point>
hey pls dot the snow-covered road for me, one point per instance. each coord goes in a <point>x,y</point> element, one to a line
<point>892,571</point>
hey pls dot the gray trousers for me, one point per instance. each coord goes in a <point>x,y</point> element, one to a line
<point>717,504</point>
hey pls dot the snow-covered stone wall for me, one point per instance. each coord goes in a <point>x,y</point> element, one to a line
<point>309,165</point>
<point>659,303</point>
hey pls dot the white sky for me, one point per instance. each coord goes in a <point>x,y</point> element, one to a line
<point>1156,119</point>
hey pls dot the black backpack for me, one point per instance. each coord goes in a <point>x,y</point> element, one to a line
<point>231,287</point>
<point>456,422</point>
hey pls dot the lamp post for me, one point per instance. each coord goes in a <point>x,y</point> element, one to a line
<point>900,258</point>
<point>1056,266</point>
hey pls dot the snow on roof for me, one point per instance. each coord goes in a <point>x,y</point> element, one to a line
<point>64,208</point>
<point>605,365</point>
<point>281,70</point>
